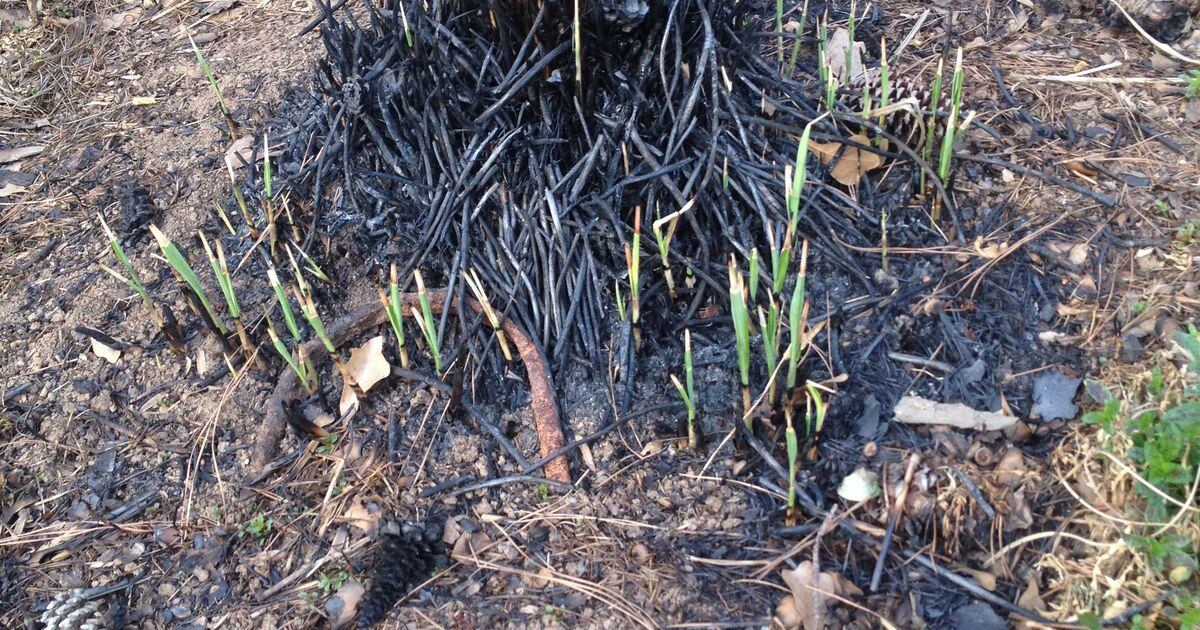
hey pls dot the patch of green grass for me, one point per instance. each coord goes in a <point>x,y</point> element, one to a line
<point>687,390</point>
<point>186,274</point>
<point>329,583</point>
<point>1192,90</point>
<point>259,526</point>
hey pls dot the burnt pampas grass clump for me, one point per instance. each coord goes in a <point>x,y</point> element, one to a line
<point>476,148</point>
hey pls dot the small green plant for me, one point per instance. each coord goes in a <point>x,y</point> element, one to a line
<point>543,492</point>
<point>392,305</point>
<point>285,306</point>
<point>1192,91</point>
<point>241,201</point>
<point>687,390</point>
<point>225,280</point>
<point>797,313</point>
<point>793,454</point>
<point>187,276</point>
<point>1139,307</point>
<point>328,444</point>
<point>259,526</point>
<point>663,238</point>
<point>212,82</point>
<point>424,319</point>
<point>935,98</point>
<point>620,300</point>
<point>633,262</point>
<point>476,286</point>
<point>951,135</point>
<point>329,583</point>
<point>754,271</point>
<point>308,308</point>
<point>850,28</point>
<point>1187,233</point>
<point>131,280</point>
<point>298,365</point>
<point>741,331</point>
<point>885,86</point>
<point>814,415</point>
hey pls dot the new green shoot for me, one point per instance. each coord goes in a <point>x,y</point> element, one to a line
<point>741,331</point>
<point>476,286</point>
<point>663,237</point>
<point>284,305</point>
<point>797,310</point>
<point>425,321</point>
<point>184,271</point>
<point>395,313</point>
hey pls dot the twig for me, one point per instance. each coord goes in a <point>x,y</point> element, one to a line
<point>894,515</point>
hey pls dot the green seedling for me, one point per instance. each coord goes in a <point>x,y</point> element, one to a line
<point>948,140</point>
<point>795,184</point>
<point>781,257</point>
<point>797,314</point>
<point>300,367</point>
<point>212,82</point>
<point>850,28</point>
<point>424,319</point>
<point>791,69</point>
<point>754,263</point>
<point>395,312</point>
<point>769,324</point>
<point>633,261</point>
<point>577,45</point>
<point>793,454</point>
<point>663,238</point>
<point>259,526</point>
<point>131,280</point>
<point>476,286</point>
<point>741,331</point>
<point>267,195</point>
<point>311,265</point>
<point>224,219</point>
<point>779,28</point>
<point>885,87</point>
<point>815,410</point>
<point>284,305</point>
<point>225,280</point>
<point>186,275</point>
<point>241,201</point>
<point>935,98</point>
<point>331,582</point>
<point>687,391</point>
<point>1192,90</point>
<point>883,240</point>
<point>308,308</point>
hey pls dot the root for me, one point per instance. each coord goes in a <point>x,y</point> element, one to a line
<point>545,409</point>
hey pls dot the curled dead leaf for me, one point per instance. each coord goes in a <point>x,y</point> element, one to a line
<point>342,607</point>
<point>367,366</point>
<point>809,590</point>
<point>852,162</point>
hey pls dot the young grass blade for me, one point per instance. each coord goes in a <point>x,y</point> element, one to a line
<point>741,331</point>
<point>951,134</point>
<point>212,82</point>
<point>793,454</point>
<point>690,383</point>
<point>222,275</point>
<point>796,316</point>
<point>131,280</point>
<point>391,302</point>
<point>935,98</point>
<point>769,323</point>
<point>663,239</point>
<point>288,317</point>
<point>620,300</point>
<point>241,201</point>
<point>425,321</point>
<point>799,176</point>
<point>633,258</point>
<point>281,348</point>
<point>849,68</point>
<point>184,271</point>
<point>312,266</point>
<point>754,272</point>
<point>817,419</point>
<point>693,441</point>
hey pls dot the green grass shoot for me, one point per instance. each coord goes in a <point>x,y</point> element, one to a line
<point>848,78</point>
<point>663,237</point>
<point>620,301</point>
<point>885,86</point>
<point>781,257</point>
<point>793,454</point>
<point>815,414</point>
<point>769,325</point>
<point>309,309</point>
<point>687,391</point>
<point>948,139</point>
<point>225,280</point>
<point>779,27</point>
<point>754,263</point>
<point>472,278</point>
<point>131,280</point>
<point>312,267</point>
<point>935,98</point>
<point>797,311</point>
<point>883,240</point>
<point>212,82</point>
<point>184,271</point>
<point>241,201</point>
<point>284,305</point>
<point>795,192</point>
<point>425,321</point>
<point>395,313</point>
<point>577,45</point>
<point>301,369</point>
<point>633,261</point>
<point>741,331</point>
<point>224,219</point>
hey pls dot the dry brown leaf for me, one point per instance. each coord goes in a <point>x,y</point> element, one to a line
<point>808,588</point>
<point>917,410</point>
<point>112,355</point>
<point>367,366</point>
<point>344,604</point>
<point>361,517</point>
<point>787,614</point>
<point>853,162</point>
<point>835,54</point>
<point>990,252</point>
<point>238,153</point>
<point>143,100</point>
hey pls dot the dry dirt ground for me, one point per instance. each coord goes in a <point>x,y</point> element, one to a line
<point>131,474</point>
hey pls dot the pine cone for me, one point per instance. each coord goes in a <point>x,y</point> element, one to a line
<point>406,555</point>
<point>76,610</point>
